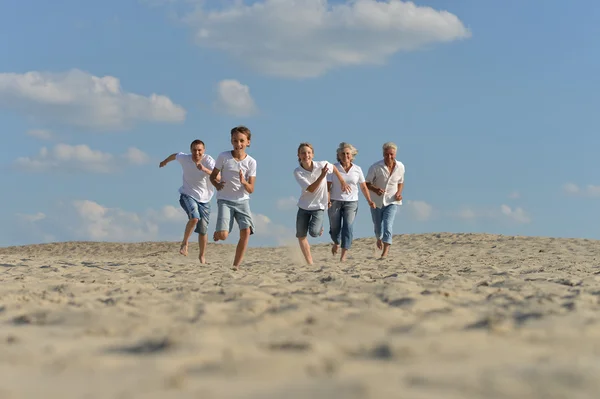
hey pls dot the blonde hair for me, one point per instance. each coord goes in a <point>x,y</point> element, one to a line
<point>309,145</point>
<point>391,145</point>
<point>342,147</point>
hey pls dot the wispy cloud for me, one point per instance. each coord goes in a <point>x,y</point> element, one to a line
<point>79,99</point>
<point>79,158</point>
<point>42,134</point>
<point>233,98</point>
<point>419,210</point>
<point>587,191</point>
<point>502,212</point>
<point>307,38</point>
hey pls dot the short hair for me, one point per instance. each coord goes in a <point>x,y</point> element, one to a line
<point>309,145</point>
<point>196,142</point>
<point>342,147</point>
<point>243,130</point>
<point>391,145</point>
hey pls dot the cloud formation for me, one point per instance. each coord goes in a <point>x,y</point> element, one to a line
<point>42,134</point>
<point>419,210</point>
<point>233,98</point>
<point>308,38</point>
<point>79,158</point>
<point>77,98</point>
<point>590,190</point>
<point>503,212</point>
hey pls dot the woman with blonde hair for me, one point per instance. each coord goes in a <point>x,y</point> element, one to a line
<point>311,176</point>
<point>343,206</point>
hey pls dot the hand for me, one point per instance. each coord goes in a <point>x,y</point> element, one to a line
<point>379,191</point>
<point>398,196</point>
<point>346,187</point>
<point>329,204</point>
<point>324,171</point>
<point>242,178</point>
<point>372,204</point>
<point>219,185</point>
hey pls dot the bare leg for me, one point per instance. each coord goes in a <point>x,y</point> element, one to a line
<point>334,249</point>
<point>305,247</point>
<point>343,256</point>
<point>379,244</point>
<point>202,241</point>
<point>386,249</point>
<point>241,247</point>
<point>189,227</point>
<point>220,235</point>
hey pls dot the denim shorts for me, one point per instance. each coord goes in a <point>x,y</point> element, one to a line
<point>228,211</point>
<point>198,210</point>
<point>309,222</point>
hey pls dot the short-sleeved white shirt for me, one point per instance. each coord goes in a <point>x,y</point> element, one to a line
<point>230,174</point>
<point>318,198</point>
<point>380,177</point>
<point>196,183</point>
<point>353,178</point>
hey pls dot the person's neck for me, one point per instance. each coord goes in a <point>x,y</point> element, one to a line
<point>390,164</point>
<point>308,165</point>
<point>239,154</point>
<point>346,165</point>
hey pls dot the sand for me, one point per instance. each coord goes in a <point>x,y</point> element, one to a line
<point>455,316</point>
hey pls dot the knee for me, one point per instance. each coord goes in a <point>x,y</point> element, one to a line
<point>194,220</point>
<point>245,233</point>
<point>221,235</point>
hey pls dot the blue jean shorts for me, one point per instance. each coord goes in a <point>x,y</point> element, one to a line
<point>197,210</point>
<point>309,222</point>
<point>228,211</point>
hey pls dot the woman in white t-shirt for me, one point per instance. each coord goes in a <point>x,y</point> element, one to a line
<point>311,176</point>
<point>343,206</point>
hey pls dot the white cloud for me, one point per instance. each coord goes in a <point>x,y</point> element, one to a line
<point>307,38</point>
<point>503,212</point>
<point>78,158</point>
<point>516,214</point>
<point>287,203</point>
<point>168,213</point>
<point>233,98</point>
<point>42,134</point>
<point>79,99</point>
<point>587,191</point>
<point>32,218</point>
<point>514,195</point>
<point>420,210</point>
<point>266,228</point>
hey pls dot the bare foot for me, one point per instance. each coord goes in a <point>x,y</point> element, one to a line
<point>386,250</point>
<point>379,244</point>
<point>183,249</point>
<point>234,267</point>
<point>334,249</point>
<point>343,256</point>
<point>216,236</point>
<point>202,259</point>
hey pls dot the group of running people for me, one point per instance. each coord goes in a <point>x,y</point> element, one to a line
<point>325,187</point>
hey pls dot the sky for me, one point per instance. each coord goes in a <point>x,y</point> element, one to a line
<point>493,106</point>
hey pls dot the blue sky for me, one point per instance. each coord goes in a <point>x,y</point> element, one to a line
<point>493,105</point>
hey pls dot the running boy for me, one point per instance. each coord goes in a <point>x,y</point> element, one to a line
<point>238,175</point>
<point>195,193</point>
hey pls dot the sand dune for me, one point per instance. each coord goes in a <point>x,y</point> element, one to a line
<point>455,316</point>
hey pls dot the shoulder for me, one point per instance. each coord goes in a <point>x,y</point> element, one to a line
<point>181,155</point>
<point>250,160</point>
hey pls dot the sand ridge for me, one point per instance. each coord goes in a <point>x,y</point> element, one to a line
<point>447,315</point>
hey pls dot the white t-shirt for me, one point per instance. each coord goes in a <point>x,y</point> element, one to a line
<point>230,174</point>
<point>380,177</point>
<point>318,198</point>
<point>353,178</point>
<point>196,183</point>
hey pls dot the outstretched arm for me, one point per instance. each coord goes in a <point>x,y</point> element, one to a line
<point>345,187</point>
<point>167,160</point>
<point>365,191</point>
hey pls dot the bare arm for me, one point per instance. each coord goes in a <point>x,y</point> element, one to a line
<point>248,184</point>
<point>167,160</point>
<point>215,179</point>
<point>365,191</point>
<point>316,183</point>
<point>376,190</point>
<point>345,187</point>
<point>399,192</point>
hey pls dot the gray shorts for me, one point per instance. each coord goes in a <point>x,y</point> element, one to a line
<point>228,211</point>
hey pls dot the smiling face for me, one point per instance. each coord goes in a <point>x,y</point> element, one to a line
<point>305,154</point>
<point>389,156</point>
<point>197,152</point>
<point>345,156</point>
<point>239,141</point>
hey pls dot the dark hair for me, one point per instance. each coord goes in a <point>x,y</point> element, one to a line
<point>243,130</point>
<point>196,142</point>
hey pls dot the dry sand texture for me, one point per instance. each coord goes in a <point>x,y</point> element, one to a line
<point>455,316</point>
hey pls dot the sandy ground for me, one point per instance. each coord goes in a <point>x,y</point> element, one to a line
<point>455,316</point>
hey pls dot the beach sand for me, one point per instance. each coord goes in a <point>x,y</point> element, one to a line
<point>455,316</point>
